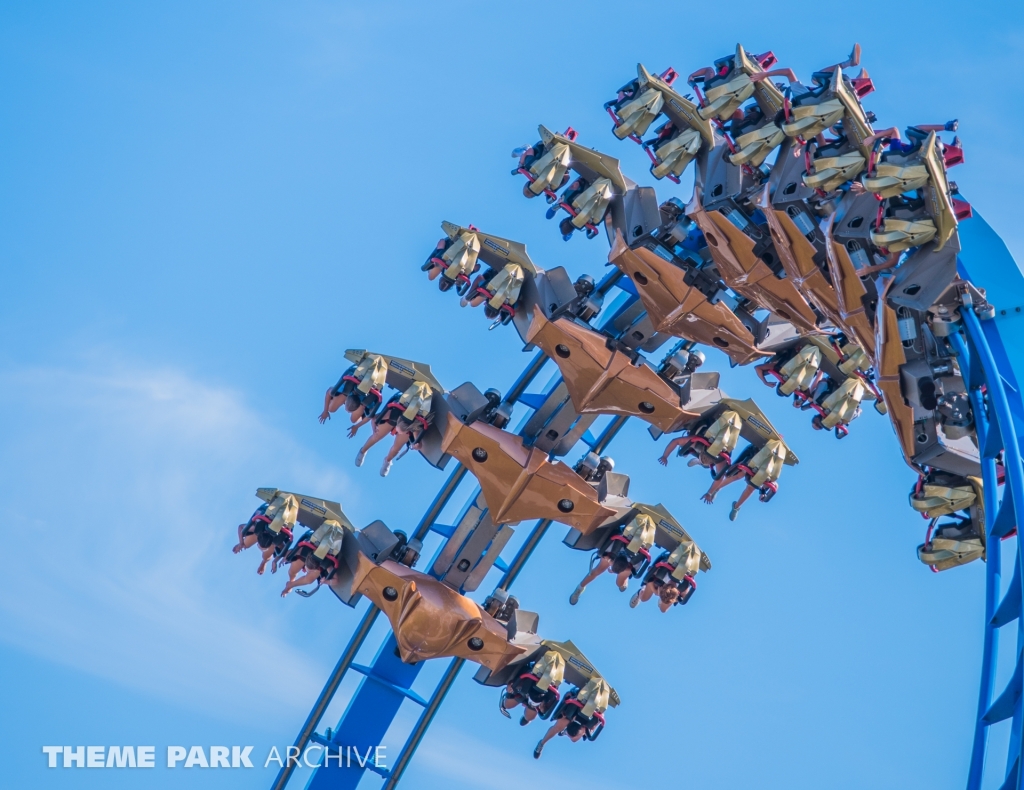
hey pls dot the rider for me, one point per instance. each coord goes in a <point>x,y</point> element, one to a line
<point>536,689</point>
<point>712,448</point>
<point>842,406</point>
<point>317,553</point>
<point>454,260</point>
<point>498,291</point>
<point>359,389</point>
<point>760,469</point>
<point>793,371</point>
<point>624,554</point>
<point>406,416</point>
<point>580,715</point>
<point>271,526</point>
<point>546,165</point>
<point>671,577</point>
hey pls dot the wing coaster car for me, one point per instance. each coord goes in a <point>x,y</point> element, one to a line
<point>430,619</point>
<point>359,388</point>
<point>712,442</point>
<point>407,415</point>
<point>823,373</point>
<point>623,548</point>
<point>955,542</point>
<point>533,682</point>
<point>498,288</point>
<point>518,481</point>
<point>759,464</point>
<point>598,194</point>
<point>510,279</point>
<point>803,185</point>
<point>316,552</point>
<point>271,527</point>
<point>677,142</point>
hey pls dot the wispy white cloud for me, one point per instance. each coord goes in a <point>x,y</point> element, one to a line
<point>123,485</point>
<point>456,757</point>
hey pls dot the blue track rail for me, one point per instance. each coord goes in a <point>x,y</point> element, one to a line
<point>992,359</point>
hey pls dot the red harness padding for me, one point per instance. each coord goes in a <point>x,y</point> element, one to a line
<point>624,540</point>
<point>597,714</point>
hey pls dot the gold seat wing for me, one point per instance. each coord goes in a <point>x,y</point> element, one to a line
<point>494,250</point>
<point>670,532</point>
<point>578,668</point>
<point>313,511</point>
<point>757,428</point>
<point>681,111</point>
<point>589,163</point>
<point>401,372</point>
<point>767,95</point>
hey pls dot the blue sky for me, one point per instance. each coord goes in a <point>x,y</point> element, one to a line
<point>203,204</point>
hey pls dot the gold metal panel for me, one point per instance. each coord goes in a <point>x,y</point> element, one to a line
<point>577,663</point>
<point>520,483</point>
<point>414,371</point>
<point>430,620</point>
<point>797,256</point>
<point>659,513</point>
<point>680,309</point>
<point>757,428</point>
<point>602,381</point>
<point>855,122</point>
<point>889,357</point>
<point>767,95</point>
<point>850,293</point>
<point>747,274</point>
